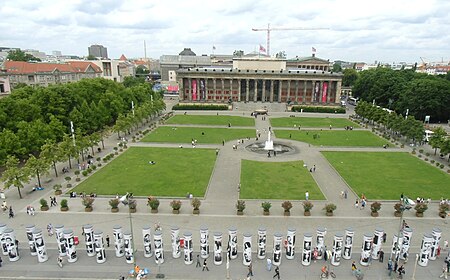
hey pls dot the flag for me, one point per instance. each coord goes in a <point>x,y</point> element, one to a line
<point>262,49</point>
<point>313,49</point>
<point>214,48</point>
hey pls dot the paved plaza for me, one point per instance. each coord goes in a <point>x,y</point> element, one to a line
<point>218,213</point>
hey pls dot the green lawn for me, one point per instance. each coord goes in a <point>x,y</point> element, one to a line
<point>387,175</point>
<point>349,138</point>
<point>176,172</point>
<point>211,120</point>
<point>186,134</point>
<point>277,180</point>
<point>311,122</point>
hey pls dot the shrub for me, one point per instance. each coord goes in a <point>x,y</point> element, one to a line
<point>85,173</point>
<point>98,159</point>
<point>421,151</point>
<point>444,208</point>
<point>195,202</point>
<point>375,207</point>
<point>153,202</point>
<point>437,164</point>
<point>432,161</point>
<point>329,208</point>
<point>211,107</point>
<point>132,203</point>
<point>421,207</point>
<point>427,154</point>
<point>318,109</point>
<point>266,206</point>
<point>307,206</point>
<point>77,172</point>
<point>441,166</point>
<point>43,202</point>
<point>57,187</point>
<point>175,204</point>
<point>240,205</point>
<point>67,178</point>
<point>63,203</point>
<point>419,156</point>
<point>426,159</point>
<point>114,203</point>
<point>93,167</point>
<point>88,201</point>
<point>105,159</point>
<point>287,205</point>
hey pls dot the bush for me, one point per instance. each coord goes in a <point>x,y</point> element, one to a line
<point>432,161</point>
<point>421,207</point>
<point>43,202</point>
<point>175,204</point>
<point>153,202</point>
<point>266,206</point>
<point>375,207</point>
<point>426,159</point>
<point>441,166</point>
<point>98,159</point>
<point>67,178</point>
<point>88,201</point>
<point>329,208</point>
<point>93,167</point>
<point>196,203</point>
<point>307,206</point>
<point>287,205</point>
<point>132,203</point>
<point>318,109</point>
<point>437,164</point>
<point>85,173</point>
<point>427,154</point>
<point>211,107</point>
<point>77,172</point>
<point>105,159</point>
<point>240,205</point>
<point>114,203</point>
<point>421,151</point>
<point>419,156</point>
<point>63,203</point>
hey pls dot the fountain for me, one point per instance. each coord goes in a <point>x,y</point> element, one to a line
<point>268,145</point>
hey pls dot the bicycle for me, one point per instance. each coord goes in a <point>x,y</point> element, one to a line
<point>325,274</point>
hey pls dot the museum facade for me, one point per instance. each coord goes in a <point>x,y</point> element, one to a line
<point>262,79</point>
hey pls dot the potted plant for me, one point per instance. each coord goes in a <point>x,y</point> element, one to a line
<point>398,209</point>
<point>176,205</point>
<point>87,202</point>
<point>443,209</point>
<point>153,202</point>
<point>44,204</point>
<point>307,206</point>
<point>287,205</point>
<point>64,205</point>
<point>195,202</point>
<point>240,206</point>
<point>57,188</point>
<point>266,208</point>
<point>114,203</point>
<point>374,208</point>
<point>329,208</point>
<point>67,178</point>
<point>132,204</point>
<point>420,209</point>
<point>77,173</point>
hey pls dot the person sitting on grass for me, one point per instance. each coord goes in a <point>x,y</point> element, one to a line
<point>152,162</point>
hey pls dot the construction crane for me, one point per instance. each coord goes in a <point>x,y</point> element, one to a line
<point>268,29</point>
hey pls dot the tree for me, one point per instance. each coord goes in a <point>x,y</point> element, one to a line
<point>142,70</point>
<point>68,148</point>
<point>14,175</point>
<point>38,166</point>
<point>130,81</point>
<point>18,55</point>
<point>438,138</point>
<point>337,68</point>
<point>445,147</point>
<point>350,76</point>
<point>91,57</point>
<point>51,152</point>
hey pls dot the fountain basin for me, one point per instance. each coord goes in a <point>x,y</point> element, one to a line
<point>261,148</point>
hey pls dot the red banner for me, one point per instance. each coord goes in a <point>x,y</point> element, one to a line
<point>324,92</point>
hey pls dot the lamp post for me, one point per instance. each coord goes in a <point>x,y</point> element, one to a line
<point>415,267</point>
<point>397,247</point>
<point>128,199</point>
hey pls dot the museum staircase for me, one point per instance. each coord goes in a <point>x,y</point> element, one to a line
<point>252,106</point>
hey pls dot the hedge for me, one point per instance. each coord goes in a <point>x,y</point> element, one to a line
<point>317,109</point>
<point>200,107</point>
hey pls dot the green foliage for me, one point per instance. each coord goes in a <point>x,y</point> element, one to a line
<point>318,109</point>
<point>15,175</point>
<point>132,203</point>
<point>337,68</point>
<point>307,206</point>
<point>438,138</point>
<point>43,202</point>
<point>421,207</point>
<point>130,81</point>
<point>195,202</point>
<point>240,205</point>
<point>88,201</point>
<point>153,202</point>
<point>18,55</point>
<point>209,107</point>
<point>175,204</point>
<point>287,205</point>
<point>375,206</point>
<point>64,203</point>
<point>266,206</point>
<point>330,207</point>
<point>350,77</point>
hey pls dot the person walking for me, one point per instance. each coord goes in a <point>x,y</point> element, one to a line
<point>444,272</point>
<point>11,212</point>
<point>306,195</point>
<point>401,271</point>
<point>198,264</point>
<point>277,272</point>
<point>60,261</point>
<point>269,264</point>
<point>205,266</point>
<point>250,270</point>
<point>107,240</point>
<point>381,254</point>
<point>354,268</point>
<point>1,261</point>
<point>390,267</point>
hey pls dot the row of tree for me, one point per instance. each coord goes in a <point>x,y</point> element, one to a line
<point>32,115</point>
<point>395,124</point>
<point>39,160</point>
<point>405,90</point>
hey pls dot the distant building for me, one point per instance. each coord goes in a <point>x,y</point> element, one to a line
<point>184,60</point>
<point>98,51</point>
<point>126,68</point>
<point>44,74</point>
<point>5,87</point>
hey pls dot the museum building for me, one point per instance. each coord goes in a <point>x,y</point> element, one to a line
<point>262,79</point>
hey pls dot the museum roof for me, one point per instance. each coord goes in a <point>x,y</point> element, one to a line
<point>289,71</point>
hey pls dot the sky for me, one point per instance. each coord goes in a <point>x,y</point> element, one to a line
<point>353,30</point>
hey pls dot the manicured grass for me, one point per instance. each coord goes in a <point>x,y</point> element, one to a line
<point>176,172</point>
<point>311,122</point>
<point>347,138</point>
<point>277,180</point>
<point>387,175</point>
<point>211,120</point>
<point>186,134</point>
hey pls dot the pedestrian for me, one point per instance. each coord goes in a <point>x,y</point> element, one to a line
<point>250,270</point>
<point>306,195</point>
<point>82,230</point>
<point>277,272</point>
<point>356,203</point>
<point>390,268</point>
<point>107,240</point>
<point>269,264</point>
<point>314,168</point>
<point>11,212</point>
<point>205,266</point>
<point>354,268</point>
<point>1,261</point>
<point>444,272</point>
<point>384,237</point>
<point>401,271</point>
<point>223,142</point>
<point>396,265</point>
<point>60,261</point>
<point>381,254</point>
<point>445,244</point>
<point>198,264</point>
<point>345,194</point>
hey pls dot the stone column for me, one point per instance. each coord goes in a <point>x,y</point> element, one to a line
<point>255,96</point>
<point>223,89</point>
<point>279,90</point>
<point>239,90</point>
<point>190,89</point>
<point>206,89</point>
<point>304,91</point>
<point>271,91</point>
<point>264,91</point>
<point>247,89</point>
<point>338,91</point>
<point>231,89</point>
<point>214,89</point>
<point>296,90</point>
<point>319,96</point>
<point>288,90</point>
<point>181,89</point>
<point>329,91</point>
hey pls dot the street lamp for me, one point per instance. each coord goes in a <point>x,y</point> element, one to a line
<point>415,267</point>
<point>127,200</point>
<point>402,209</point>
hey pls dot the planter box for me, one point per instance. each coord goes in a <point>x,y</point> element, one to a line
<point>44,208</point>
<point>374,214</point>
<point>154,211</point>
<point>419,214</point>
<point>175,211</point>
<point>329,213</point>
<point>196,212</point>
<point>132,210</point>
<point>443,215</point>
<point>266,213</point>
<point>115,210</point>
<point>88,209</point>
<point>287,213</point>
<point>308,213</point>
<point>64,209</point>
<point>58,192</point>
<point>397,214</point>
<point>240,213</point>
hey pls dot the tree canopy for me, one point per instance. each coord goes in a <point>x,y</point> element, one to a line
<point>18,55</point>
